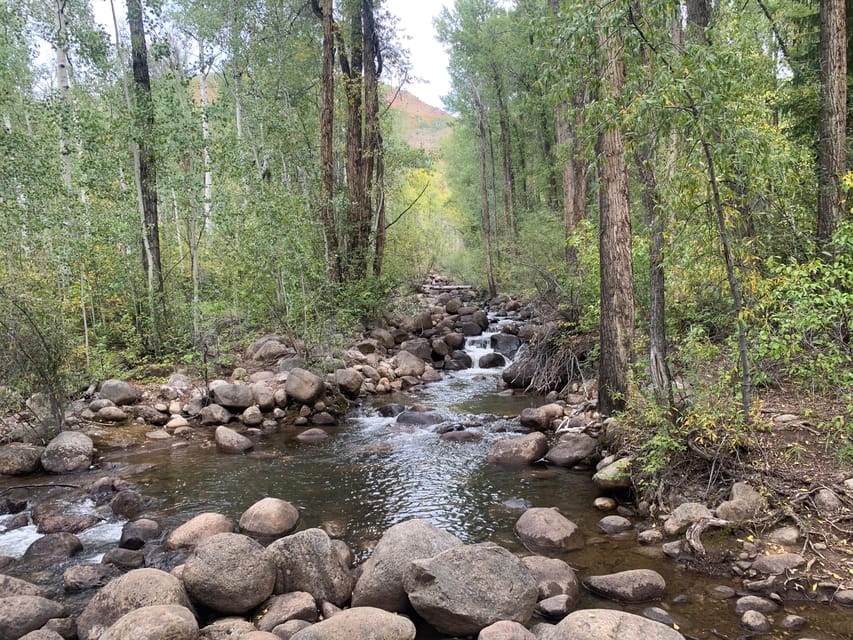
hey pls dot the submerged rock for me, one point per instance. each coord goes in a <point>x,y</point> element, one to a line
<point>635,585</point>
<point>546,529</point>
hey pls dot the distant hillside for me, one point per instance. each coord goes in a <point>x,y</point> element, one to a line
<point>421,125</point>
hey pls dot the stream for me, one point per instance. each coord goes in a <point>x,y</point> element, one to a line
<point>373,473</point>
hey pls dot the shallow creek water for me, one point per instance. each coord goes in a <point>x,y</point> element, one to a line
<point>373,473</point>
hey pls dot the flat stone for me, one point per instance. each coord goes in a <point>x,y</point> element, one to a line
<point>755,603</point>
<point>614,524</point>
<point>635,585</point>
<point>779,563</point>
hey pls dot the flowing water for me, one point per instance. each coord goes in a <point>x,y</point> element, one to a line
<point>373,472</point>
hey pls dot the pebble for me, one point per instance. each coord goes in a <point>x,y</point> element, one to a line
<point>604,504</point>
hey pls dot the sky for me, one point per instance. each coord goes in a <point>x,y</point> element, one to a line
<point>428,58</point>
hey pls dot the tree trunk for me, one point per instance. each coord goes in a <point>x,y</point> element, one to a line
<point>372,190</point>
<point>63,85</point>
<point>833,121</point>
<point>485,219</point>
<point>146,169</point>
<point>506,157</point>
<point>617,283</point>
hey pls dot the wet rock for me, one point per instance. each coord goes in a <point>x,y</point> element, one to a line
<point>156,622</point>
<point>381,581</point>
<point>614,476</point>
<point>226,629</point>
<point>306,561</point>
<point>229,441</point>
<point>69,523</point>
<point>519,375</point>
<point>197,529</point>
<point>721,592</point>
<point>744,505</point>
<point>110,414</point>
<point>19,458</point>
<point>555,607</point>
<point>21,614</point>
<point>545,529</point>
<point>606,624</point>
<point>10,586</point>
<point>128,504</point>
<point>360,623</point>
<point>139,588</point>
<point>233,396</point>
<point>418,347</point>
<point>519,451</point>
<point>349,381</point>
<point>650,536</point>
<point>296,605</point>
<point>572,449</point>
<point>604,503</point>
<point>614,524</point>
<point>230,573</point>
<point>553,577</point>
<point>215,414</point>
<point>756,622</point>
<point>506,630</point>
<point>420,418</point>
<point>287,630</point>
<point>505,344</point>
<point>149,415</point>
<point>135,534</point>
<point>755,603</point>
<point>779,563</point>
<point>124,559</point>
<point>313,435</point>
<point>491,361</point>
<point>81,577</point>
<point>304,387</point>
<point>53,548</point>
<point>659,615</point>
<point>465,589</point>
<point>685,515</point>
<point>794,623</point>
<point>409,364</point>
<point>635,585</point>
<point>541,418</point>
<point>68,452</point>
<point>844,597</point>
<point>119,392</point>
<point>268,519</point>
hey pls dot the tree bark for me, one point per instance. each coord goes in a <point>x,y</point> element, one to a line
<point>833,122</point>
<point>63,85</point>
<point>617,282</point>
<point>373,188</point>
<point>485,218</point>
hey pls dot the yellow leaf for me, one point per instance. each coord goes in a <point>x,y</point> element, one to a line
<point>675,626</point>
<point>750,538</point>
<point>814,587</point>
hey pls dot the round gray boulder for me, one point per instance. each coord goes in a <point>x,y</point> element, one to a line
<point>157,622</point>
<point>229,441</point>
<point>119,392</point>
<point>67,452</point>
<point>229,573</point>
<point>519,451</point>
<point>19,458</point>
<point>268,519</point>
<point>635,585</point>
<point>572,449</point>
<point>303,386</point>
<point>233,396</point>
<point>296,605</point>
<point>360,623</point>
<point>506,630</point>
<point>546,529</point>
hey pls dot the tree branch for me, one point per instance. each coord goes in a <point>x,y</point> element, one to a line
<point>406,210</point>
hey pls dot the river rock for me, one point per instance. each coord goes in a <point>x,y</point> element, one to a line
<point>227,628</point>
<point>381,581</point>
<point>268,519</point>
<point>307,561</point>
<point>10,586</point>
<point>607,624</point>
<point>136,533</point>
<point>787,536</point>
<point>81,577</point>
<point>826,501</point>
<point>197,529</point>
<point>519,375</point>
<point>614,476</point>
<point>541,418</point>
<point>230,573</point>
<point>69,451</point>
<point>553,578</point>
<point>506,630</point>
<point>67,522</point>
<point>157,622</point>
<point>555,607</point>
<point>304,387</point>
<point>755,603</point>
<point>53,548</point>
<point>614,524</point>
<point>136,589</point>
<point>635,585</point>
<point>287,630</point>
<point>491,361</point>
<point>419,347</point>
<point>408,364</point>
<point>124,559</point>
<point>110,414</point>
<point>465,589</point>
<point>313,435</point>
<point>215,414</point>
<point>572,449</point>
<point>296,605</point>
<point>744,505</point>
<point>119,392</point>
<point>685,515</point>
<point>233,396</point>
<point>229,441</point>
<point>519,451</point>
<point>360,623</point>
<point>22,614</point>
<point>44,634</point>
<point>756,622</point>
<point>128,503</point>
<point>546,529</point>
<point>252,417</point>
<point>349,381</point>
<point>505,344</point>
<point>778,563</point>
<point>420,418</point>
<point>19,458</point>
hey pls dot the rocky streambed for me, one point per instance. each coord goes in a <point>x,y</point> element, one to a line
<point>365,503</point>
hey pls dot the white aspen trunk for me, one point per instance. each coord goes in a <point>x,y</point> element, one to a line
<point>85,319</point>
<point>63,85</point>
<point>180,241</point>
<point>205,133</point>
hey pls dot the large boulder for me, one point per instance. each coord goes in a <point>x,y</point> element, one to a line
<point>10,586</point>
<point>296,605</point>
<point>349,381</point>
<point>69,451</point>
<point>635,585</point>
<point>21,614</point>
<point>614,476</point>
<point>541,418</point>
<point>19,458</point>
<point>419,347</point>
<point>465,589</point>
<point>607,624</point>
<point>229,573</point>
<point>157,622</point>
<point>572,449</point>
<point>307,561</point>
<point>136,533</point>
<point>268,519</point>
<point>519,451</point>
<point>229,441</point>
<point>553,577</point>
<point>136,589</point>
<point>233,396</point>
<point>360,623</point>
<point>519,375</point>
<point>505,344</point>
<point>744,504</point>
<point>199,528</point>
<point>684,515</point>
<point>215,414</point>
<point>53,548</point>
<point>119,392</point>
<point>546,529</point>
<point>303,386</point>
<point>381,581</point>
<point>408,364</point>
